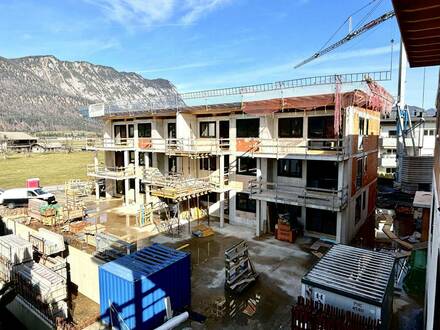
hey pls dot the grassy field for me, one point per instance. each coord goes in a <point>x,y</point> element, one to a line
<point>52,169</point>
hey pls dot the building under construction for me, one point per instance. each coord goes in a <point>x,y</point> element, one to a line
<point>251,155</point>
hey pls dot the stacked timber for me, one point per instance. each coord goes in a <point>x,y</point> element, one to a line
<point>43,287</point>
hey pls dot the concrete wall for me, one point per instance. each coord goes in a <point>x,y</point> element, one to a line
<point>84,272</point>
<point>27,315</point>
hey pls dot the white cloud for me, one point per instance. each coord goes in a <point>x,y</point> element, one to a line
<point>197,8</point>
<point>147,13</point>
<point>139,11</point>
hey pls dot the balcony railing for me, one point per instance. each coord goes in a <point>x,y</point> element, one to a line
<point>109,143</point>
<point>197,145</point>
<point>253,146</point>
<point>299,195</point>
<point>102,171</point>
<point>285,146</point>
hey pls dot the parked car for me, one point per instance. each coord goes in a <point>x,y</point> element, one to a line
<point>20,196</point>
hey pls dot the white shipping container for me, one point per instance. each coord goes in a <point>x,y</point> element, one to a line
<point>15,249</point>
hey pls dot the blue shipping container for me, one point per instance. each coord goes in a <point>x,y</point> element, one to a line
<point>136,284</point>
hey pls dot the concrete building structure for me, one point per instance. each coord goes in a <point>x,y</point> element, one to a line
<point>419,23</point>
<point>259,159</point>
<point>424,134</point>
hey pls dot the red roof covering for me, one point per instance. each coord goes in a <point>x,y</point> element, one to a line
<point>419,23</point>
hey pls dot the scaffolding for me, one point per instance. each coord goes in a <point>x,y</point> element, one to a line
<point>175,186</point>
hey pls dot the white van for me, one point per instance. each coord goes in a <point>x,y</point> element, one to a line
<point>20,196</point>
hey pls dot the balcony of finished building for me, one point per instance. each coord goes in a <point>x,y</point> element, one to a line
<point>311,183</point>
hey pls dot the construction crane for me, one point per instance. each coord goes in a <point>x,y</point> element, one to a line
<point>350,36</point>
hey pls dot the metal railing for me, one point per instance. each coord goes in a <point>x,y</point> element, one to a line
<point>293,83</point>
<point>175,101</point>
<point>111,172</point>
<point>251,146</point>
<point>197,145</point>
<point>335,199</point>
<point>110,143</point>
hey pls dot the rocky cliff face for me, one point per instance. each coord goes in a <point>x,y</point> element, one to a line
<point>44,93</point>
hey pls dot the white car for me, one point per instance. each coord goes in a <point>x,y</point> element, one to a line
<point>20,196</point>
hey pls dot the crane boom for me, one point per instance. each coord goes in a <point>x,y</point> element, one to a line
<point>349,36</point>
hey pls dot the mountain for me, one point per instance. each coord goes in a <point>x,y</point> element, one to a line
<point>44,93</point>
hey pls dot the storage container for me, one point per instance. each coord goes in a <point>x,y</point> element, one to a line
<point>134,287</point>
<point>355,280</point>
<point>15,249</point>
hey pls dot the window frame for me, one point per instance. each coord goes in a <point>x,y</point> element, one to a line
<point>250,204</point>
<point>149,128</point>
<point>208,123</point>
<point>245,131</point>
<point>248,171</point>
<point>290,164</point>
<point>206,165</point>
<point>289,122</point>
<point>141,160</point>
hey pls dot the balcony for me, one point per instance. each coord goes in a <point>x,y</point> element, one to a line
<point>118,144</point>
<point>115,173</point>
<point>319,198</point>
<point>388,160</point>
<point>281,147</point>
<point>121,144</point>
<point>196,148</point>
<point>388,142</point>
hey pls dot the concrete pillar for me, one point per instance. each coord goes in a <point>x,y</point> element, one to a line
<point>264,223</point>
<point>96,190</point>
<point>232,206</point>
<point>126,181</point>
<point>340,228</point>
<point>222,209</point>
<point>258,220</point>
<point>222,171</point>
<point>147,188</point>
<point>96,162</point>
<point>137,195</point>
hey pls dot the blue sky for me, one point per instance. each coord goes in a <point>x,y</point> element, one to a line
<point>202,44</point>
